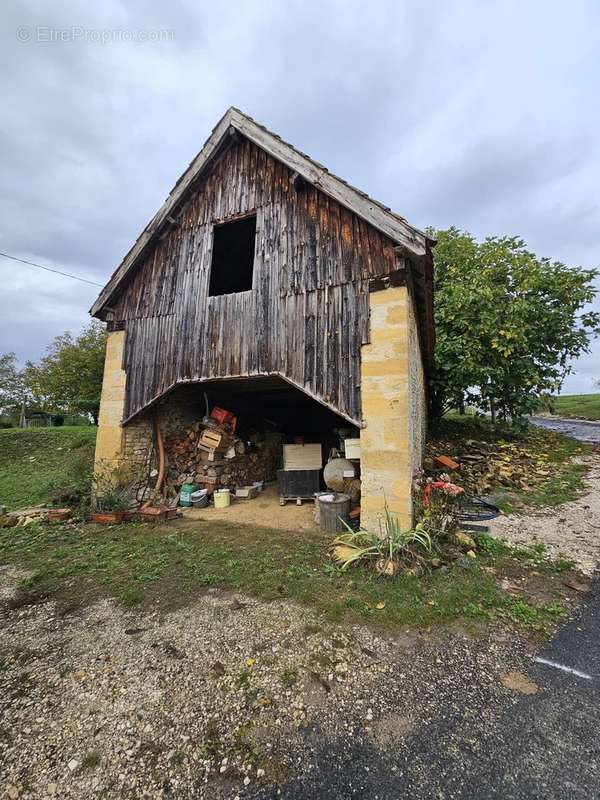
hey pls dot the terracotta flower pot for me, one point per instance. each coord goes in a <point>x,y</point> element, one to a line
<point>108,517</point>
<point>58,514</point>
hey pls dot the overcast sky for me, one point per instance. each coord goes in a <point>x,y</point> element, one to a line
<point>484,116</point>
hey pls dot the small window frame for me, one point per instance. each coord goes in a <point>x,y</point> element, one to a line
<point>216,283</point>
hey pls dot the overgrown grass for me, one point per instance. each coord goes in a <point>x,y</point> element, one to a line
<point>582,406</point>
<point>37,464</point>
<point>172,565</point>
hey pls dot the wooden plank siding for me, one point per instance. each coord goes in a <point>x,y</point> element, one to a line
<point>306,315</point>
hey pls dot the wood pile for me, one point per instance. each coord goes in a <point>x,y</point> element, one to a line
<point>211,455</point>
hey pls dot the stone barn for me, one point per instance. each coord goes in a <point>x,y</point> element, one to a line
<point>267,285</point>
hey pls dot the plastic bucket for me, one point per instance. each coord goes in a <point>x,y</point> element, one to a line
<point>185,496</point>
<point>222,498</point>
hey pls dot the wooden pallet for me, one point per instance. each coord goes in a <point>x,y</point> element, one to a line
<point>298,499</point>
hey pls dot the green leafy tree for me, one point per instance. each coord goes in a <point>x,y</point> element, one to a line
<point>12,384</point>
<point>69,377</point>
<point>508,324</point>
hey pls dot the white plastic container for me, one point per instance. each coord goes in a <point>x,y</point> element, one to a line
<point>199,499</point>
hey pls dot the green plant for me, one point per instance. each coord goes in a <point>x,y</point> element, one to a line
<point>90,760</point>
<point>508,324</point>
<point>289,677</point>
<point>388,550</point>
<point>115,499</point>
<point>114,488</point>
<point>72,487</point>
<point>437,506</point>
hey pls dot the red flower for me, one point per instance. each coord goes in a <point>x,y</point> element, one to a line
<point>445,486</point>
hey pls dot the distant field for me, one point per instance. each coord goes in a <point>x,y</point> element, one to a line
<point>584,406</point>
<point>35,463</point>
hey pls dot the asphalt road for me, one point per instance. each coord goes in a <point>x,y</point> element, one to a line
<point>474,740</point>
<point>586,431</point>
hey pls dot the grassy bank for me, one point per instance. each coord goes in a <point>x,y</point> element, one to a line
<point>172,565</point>
<point>35,463</point>
<point>580,406</point>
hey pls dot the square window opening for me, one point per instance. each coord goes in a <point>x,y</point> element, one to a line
<point>232,262</point>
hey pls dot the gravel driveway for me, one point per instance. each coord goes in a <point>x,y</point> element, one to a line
<point>571,530</point>
<point>234,698</point>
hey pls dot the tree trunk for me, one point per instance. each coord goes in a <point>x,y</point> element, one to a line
<point>436,408</point>
<point>493,411</point>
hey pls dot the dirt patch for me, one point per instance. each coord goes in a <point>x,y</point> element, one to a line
<point>517,682</point>
<point>571,530</point>
<point>10,578</point>
<point>263,510</point>
<point>391,729</point>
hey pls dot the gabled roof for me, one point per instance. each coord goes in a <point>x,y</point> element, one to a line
<point>413,241</point>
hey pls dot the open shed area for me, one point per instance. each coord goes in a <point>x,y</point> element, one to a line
<point>259,443</point>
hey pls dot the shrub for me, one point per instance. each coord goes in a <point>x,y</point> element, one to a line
<point>115,488</point>
<point>72,488</point>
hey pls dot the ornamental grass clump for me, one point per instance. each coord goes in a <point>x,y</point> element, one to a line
<point>435,539</point>
<point>389,551</point>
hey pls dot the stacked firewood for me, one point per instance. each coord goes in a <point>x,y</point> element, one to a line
<point>213,456</point>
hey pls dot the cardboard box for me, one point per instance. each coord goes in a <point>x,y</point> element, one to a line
<point>246,492</point>
<point>302,456</point>
<point>352,448</point>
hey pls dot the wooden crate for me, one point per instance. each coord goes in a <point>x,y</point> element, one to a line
<point>302,456</point>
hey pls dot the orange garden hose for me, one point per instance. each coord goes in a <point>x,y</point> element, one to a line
<point>161,460</point>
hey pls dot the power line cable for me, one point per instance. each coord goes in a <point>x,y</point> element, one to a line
<point>49,269</point>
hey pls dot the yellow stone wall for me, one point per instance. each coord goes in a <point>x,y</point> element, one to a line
<point>391,444</point>
<point>417,395</point>
<point>109,442</point>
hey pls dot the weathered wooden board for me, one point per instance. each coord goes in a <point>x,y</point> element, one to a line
<point>306,315</point>
<point>227,131</point>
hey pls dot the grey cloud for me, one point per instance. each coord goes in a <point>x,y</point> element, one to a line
<point>463,114</point>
